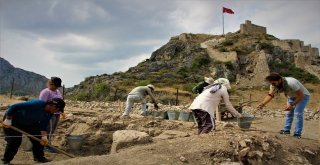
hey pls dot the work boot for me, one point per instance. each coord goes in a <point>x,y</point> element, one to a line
<point>41,160</point>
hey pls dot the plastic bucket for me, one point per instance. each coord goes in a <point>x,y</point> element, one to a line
<point>184,116</point>
<point>191,118</point>
<point>163,115</point>
<point>245,122</point>
<point>173,115</point>
<point>155,113</point>
<point>75,142</point>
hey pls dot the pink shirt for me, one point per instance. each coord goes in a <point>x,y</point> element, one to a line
<point>47,94</point>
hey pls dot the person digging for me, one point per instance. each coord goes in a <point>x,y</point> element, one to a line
<point>32,117</point>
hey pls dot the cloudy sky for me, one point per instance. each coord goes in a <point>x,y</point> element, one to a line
<point>75,39</point>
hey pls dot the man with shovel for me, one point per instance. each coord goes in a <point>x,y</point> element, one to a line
<point>31,117</point>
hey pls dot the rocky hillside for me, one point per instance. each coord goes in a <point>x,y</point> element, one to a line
<point>25,82</point>
<point>245,59</point>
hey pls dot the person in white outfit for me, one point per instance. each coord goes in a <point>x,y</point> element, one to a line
<point>204,105</point>
<point>139,94</point>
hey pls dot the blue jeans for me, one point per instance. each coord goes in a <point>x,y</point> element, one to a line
<point>297,112</point>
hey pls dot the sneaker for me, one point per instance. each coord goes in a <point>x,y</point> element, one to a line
<point>125,117</point>
<point>284,132</point>
<point>41,160</point>
<point>297,136</point>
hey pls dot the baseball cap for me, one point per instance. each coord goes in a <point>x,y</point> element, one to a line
<point>59,103</point>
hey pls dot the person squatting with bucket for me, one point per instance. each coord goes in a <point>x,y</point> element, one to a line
<point>298,98</point>
<point>46,94</point>
<point>139,94</point>
<point>204,105</point>
<point>31,117</point>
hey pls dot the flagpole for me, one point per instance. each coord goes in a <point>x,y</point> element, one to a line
<point>222,23</point>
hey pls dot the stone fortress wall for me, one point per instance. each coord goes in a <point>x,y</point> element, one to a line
<point>249,28</point>
<point>305,56</point>
<point>301,51</point>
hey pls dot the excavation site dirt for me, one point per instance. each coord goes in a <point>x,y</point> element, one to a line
<point>95,133</point>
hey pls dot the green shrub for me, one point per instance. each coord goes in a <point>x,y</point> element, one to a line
<point>227,43</point>
<point>143,82</point>
<point>287,69</point>
<point>82,96</point>
<point>101,90</point>
<point>223,49</point>
<point>184,72</point>
<point>199,62</point>
<point>188,86</point>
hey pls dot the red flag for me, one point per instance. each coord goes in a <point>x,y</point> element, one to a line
<point>226,10</point>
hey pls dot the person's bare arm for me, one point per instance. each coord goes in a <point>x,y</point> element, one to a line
<point>299,97</point>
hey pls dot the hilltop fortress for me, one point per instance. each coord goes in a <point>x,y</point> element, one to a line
<point>256,62</point>
<point>304,54</point>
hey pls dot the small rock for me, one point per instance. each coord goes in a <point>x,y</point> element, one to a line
<point>183,159</point>
<point>244,152</point>
<point>243,143</point>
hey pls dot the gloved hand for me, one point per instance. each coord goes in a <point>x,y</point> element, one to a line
<point>44,140</point>
<point>156,106</point>
<point>7,123</point>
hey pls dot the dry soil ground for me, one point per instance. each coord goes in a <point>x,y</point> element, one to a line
<point>261,144</point>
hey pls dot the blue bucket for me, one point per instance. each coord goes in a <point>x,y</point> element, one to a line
<point>184,116</point>
<point>173,115</point>
<point>245,122</point>
<point>163,115</point>
<point>191,118</point>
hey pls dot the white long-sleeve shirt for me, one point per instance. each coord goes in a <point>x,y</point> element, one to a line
<point>209,101</point>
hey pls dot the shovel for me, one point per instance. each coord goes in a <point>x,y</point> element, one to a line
<point>34,138</point>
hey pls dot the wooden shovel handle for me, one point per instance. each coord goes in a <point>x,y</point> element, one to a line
<point>34,138</point>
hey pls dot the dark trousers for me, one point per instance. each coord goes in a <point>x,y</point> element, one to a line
<point>14,138</point>
<point>204,120</point>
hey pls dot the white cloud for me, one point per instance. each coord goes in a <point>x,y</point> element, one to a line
<point>74,43</point>
<point>75,39</point>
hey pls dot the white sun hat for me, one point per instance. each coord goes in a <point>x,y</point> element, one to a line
<point>209,80</point>
<point>225,82</point>
<point>150,86</point>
